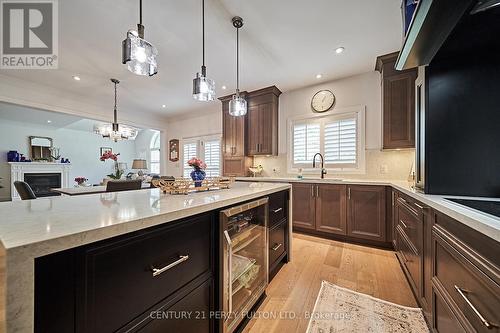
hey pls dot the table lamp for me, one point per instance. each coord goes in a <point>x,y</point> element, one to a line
<point>139,164</point>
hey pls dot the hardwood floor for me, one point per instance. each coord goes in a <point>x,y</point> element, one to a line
<point>293,291</point>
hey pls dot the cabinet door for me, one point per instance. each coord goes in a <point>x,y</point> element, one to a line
<point>303,202</point>
<point>239,135</point>
<point>366,212</point>
<point>331,209</point>
<point>228,125</point>
<point>266,124</point>
<point>399,110</point>
<point>235,166</point>
<point>253,137</point>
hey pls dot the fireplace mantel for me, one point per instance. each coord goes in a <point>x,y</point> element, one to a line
<point>18,169</point>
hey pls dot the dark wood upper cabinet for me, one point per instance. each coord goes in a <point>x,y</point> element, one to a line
<point>330,208</point>
<point>398,103</point>
<point>234,131</point>
<point>262,138</point>
<point>366,212</point>
<point>303,203</point>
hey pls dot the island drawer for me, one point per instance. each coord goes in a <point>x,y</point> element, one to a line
<point>123,278</point>
<point>277,242</point>
<point>277,207</point>
<point>474,294</point>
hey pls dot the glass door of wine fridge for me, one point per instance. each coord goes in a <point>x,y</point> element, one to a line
<point>245,259</point>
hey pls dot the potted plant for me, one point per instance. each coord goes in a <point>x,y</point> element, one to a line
<point>110,156</point>
<point>197,175</point>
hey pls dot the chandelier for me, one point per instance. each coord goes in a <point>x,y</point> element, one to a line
<point>115,131</point>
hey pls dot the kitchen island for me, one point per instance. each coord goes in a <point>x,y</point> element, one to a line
<point>31,232</point>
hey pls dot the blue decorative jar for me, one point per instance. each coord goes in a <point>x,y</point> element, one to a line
<point>197,175</point>
<point>12,156</point>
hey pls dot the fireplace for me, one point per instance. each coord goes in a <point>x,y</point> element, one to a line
<point>41,183</point>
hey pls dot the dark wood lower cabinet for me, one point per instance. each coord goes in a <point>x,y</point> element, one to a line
<point>453,270</point>
<point>330,208</point>
<point>366,217</point>
<point>304,206</point>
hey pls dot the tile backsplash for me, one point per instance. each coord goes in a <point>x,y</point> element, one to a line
<point>390,165</point>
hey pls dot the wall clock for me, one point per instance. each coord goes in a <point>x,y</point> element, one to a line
<point>322,101</point>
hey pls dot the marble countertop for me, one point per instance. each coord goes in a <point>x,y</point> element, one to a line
<point>487,224</point>
<point>34,228</point>
<point>66,222</point>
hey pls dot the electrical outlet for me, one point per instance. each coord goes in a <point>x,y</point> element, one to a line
<point>384,169</point>
<point>276,171</point>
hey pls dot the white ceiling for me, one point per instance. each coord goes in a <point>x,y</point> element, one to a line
<point>283,42</point>
<point>46,119</point>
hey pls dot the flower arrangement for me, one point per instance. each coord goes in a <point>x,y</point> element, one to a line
<point>197,163</point>
<point>110,156</point>
<point>197,175</point>
<point>80,180</point>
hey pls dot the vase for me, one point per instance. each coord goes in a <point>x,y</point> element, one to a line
<point>197,175</point>
<point>12,156</point>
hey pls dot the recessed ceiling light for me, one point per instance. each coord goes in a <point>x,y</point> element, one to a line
<point>49,121</point>
<point>76,78</point>
<point>163,106</point>
<point>224,87</point>
<point>319,76</point>
<point>339,50</point>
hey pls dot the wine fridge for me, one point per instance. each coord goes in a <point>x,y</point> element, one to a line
<point>245,259</point>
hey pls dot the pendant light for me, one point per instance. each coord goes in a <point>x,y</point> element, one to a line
<point>203,87</point>
<point>116,131</point>
<point>237,105</point>
<point>138,53</point>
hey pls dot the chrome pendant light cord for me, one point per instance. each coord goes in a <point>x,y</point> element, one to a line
<point>237,61</point>
<point>203,29</point>
<point>114,113</point>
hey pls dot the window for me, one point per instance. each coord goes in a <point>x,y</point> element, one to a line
<point>206,148</point>
<point>339,138</point>
<point>154,154</point>
<point>188,152</point>
<point>212,158</point>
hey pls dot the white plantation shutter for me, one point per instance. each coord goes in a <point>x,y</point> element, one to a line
<point>212,158</point>
<point>337,137</point>
<point>340,142</point>
<point>189,151</point>
<point>306,142</point>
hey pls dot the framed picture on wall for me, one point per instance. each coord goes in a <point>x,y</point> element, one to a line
<point>173,154</point>
<point>106,150</point>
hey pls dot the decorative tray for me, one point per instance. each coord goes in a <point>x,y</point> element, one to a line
<point>186,186</point>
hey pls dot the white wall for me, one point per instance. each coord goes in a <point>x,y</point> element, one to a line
<point>208,122</point>
<point>82,148</point>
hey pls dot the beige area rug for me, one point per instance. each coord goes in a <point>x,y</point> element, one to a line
<point>339,309</point>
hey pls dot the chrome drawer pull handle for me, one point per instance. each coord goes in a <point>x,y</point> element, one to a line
<point>277,246</point>
<point>277,210</point>
<point>462,293</point>
<point>158,271</point>
<point>419,206</point>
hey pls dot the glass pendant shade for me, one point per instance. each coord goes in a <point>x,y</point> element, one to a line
<point>237,106</point>
<point>139,55</point>
<point>203,88</point>
<point>116,132</point>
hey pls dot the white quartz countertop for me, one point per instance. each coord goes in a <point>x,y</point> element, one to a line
<point>487,224</point>
<point>58,223</point>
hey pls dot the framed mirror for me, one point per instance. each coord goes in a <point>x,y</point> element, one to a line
<point>40,148</point>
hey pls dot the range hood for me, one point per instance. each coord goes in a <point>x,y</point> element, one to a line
<point>431,25</point>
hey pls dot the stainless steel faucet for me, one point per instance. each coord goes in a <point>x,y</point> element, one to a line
<point>323,170</point>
